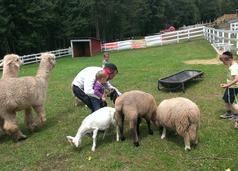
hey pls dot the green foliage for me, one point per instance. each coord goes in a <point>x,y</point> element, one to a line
<point>31,26</point>
<point>47,149</point>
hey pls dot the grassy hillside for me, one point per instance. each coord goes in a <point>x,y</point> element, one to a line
<point>47,149</point>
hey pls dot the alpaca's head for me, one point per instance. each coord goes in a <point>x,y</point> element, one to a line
<point>47,60</point>
<point>11,61</point>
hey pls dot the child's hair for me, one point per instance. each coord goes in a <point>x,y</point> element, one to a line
<point>100,74</point>
<point>226,56</point>
<point>105,54</point>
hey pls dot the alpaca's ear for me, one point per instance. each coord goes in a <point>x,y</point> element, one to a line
<point>1,64</point>
<point>17,64</point>
<point>9,62</point>
<point>38,57</point>
<point>52,59</point>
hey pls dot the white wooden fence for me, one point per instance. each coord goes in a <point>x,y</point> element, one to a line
<point>155,40</point>
<point>32,58</point>
<point>222,40</point>
<point>234,26</point>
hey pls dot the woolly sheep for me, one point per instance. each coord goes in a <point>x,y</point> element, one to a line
<point>134,105</point>
<point>180,115</point>
<point>23,93</point>
<point>98,120</point>
<point>11,65</point>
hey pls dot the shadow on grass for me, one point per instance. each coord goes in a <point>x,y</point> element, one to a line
<point>50,122</point>
<point>179,88</point>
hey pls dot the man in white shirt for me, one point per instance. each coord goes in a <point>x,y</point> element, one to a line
<point>83,83</point>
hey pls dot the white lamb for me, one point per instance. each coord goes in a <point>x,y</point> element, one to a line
<point>98,120</point>
<point>25,93</point>
<point>180,115</point>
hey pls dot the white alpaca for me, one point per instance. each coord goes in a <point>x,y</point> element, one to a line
<point>25,93</point>
<point>11,64</point>
<point>98,120</point>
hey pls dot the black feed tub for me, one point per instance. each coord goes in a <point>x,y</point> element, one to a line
<point>177,80</point>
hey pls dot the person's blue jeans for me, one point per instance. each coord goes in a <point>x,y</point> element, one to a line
<point>82,96</point>
<point>97,103</point>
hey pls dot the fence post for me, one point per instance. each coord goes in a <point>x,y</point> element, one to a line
<point>229,38</point>
<point>204,32</point>
<point>223,37</point>
<point>210,35</point>
<point>214,36</point>
<point>218,36</point>
<point>188,34</point>
<point>237,43</point>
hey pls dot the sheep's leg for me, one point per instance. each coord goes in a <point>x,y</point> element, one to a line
<point>196,140</point>
<point>1,126</point>
<point>133,130</point>
<point>149,126</point>
<point>95,132</point>
<point>117,130</point>
<point>163,133</point>
<point>41,118</point>
<point>104,134</point>
<point>187,141</point>
<point>192,131</point>
<point>11,128</point>
<point>121,127</point>
<point>138,125</point>
<point>29,119</point>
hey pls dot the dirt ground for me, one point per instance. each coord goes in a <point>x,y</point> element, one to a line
<point>214,61</point>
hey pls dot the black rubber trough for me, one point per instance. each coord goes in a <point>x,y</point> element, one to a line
<point>177,80</point>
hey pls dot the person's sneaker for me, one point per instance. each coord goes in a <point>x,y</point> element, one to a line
<point>226,115</point>
<point>235,117</point>
<point>236,124</point>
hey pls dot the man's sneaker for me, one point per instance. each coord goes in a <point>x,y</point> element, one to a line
<point>235,117</point>
<point>226,115</point>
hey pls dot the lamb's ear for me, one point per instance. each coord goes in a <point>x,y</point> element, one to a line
<point>70,139</point>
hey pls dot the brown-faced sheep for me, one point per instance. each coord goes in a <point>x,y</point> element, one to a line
<point>134,105</point>
<point>23,93</point>
<point>180,115</point>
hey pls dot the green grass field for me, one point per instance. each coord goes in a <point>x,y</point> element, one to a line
<point>47,149</point>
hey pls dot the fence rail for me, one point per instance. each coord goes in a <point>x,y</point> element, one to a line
<point>234,26</point>
<point>222,40</point>
<point>155,40</point>
<point>33,58</point>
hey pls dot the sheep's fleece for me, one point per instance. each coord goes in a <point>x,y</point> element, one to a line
<point>181,115</point>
